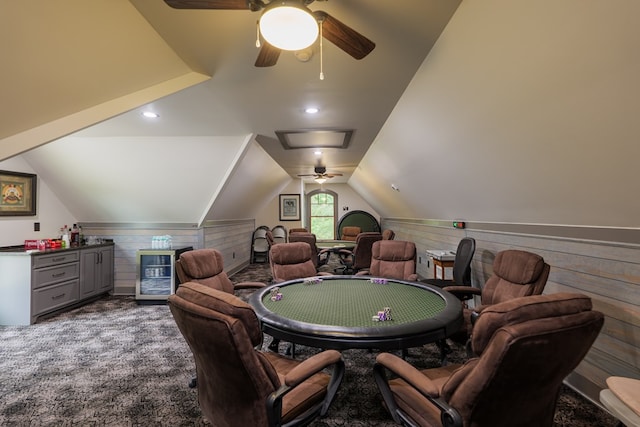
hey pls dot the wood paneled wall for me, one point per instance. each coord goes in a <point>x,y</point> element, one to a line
<point>606,271</point>
<point>232,238</point>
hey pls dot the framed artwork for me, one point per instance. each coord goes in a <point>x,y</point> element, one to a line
<point>17,194</point>
<point>289,207</point>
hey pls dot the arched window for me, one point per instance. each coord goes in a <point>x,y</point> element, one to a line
<point>322,208</point>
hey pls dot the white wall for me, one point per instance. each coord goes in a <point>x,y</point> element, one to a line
<point>50,212</point>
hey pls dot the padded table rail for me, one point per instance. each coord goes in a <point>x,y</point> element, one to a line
<point>338,311</point>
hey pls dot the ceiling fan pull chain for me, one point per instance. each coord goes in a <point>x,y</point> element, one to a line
<point>321,72</point>
<point>258,33</point>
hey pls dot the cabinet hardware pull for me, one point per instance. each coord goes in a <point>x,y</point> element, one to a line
<point>59,296</point>
<point>58,259</point>
<point>59,274</point>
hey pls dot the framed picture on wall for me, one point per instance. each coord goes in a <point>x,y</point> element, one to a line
<point>289,207</point>
<point>17,194</point>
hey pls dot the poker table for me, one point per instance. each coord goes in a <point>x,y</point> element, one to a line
<point>337,312</point>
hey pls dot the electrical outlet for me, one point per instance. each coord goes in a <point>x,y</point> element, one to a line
<point>36,226</point>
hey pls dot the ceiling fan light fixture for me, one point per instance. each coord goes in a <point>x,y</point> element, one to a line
<point>320,180</point>
<point>289,26</point>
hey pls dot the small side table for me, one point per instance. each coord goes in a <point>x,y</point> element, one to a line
<point>622,399</point>
<point>441,260</point>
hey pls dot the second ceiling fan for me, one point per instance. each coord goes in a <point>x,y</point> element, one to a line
<point>338,33</point>
<point>320,174</point>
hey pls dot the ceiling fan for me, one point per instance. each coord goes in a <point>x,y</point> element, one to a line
<point>320,174</point>
<point>343,36</point>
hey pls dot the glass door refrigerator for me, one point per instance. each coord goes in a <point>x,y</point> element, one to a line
<point>155,278</point>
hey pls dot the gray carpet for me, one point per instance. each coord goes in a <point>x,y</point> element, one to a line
<point>116,363</point>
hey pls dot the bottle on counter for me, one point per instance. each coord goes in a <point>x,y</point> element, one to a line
<point>75,236</point>
<point>64,236</point>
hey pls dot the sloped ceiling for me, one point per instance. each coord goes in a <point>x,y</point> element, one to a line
<point>142,179</point>
<point>69,65</point>
<point>526,115</point>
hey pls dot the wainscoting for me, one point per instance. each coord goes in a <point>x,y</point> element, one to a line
<point>582,260</point>
<point>231,238</point>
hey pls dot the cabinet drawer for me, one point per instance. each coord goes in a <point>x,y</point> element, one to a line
<point>50,275</point>
<point>54,296</point>
<point>55,259</point>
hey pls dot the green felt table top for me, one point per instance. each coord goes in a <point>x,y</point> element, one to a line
<point>349,302</point>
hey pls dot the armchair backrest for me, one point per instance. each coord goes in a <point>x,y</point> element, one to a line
<point>516,274</point>
<point>393,259</point>
<point>311,240</point>
<point>222,331</point>
<point>363,249</point>
<point>291,261</point>
<point>527,347</point>
<point>350,232</point>
<point>204,266</point>
<point>388,234</point>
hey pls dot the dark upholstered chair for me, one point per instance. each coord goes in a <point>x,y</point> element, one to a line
<point>242,386</point>
<point>292,260</point>
<point>360,257</point>
<point>392,259</point>
<point>205,266</point>
<point>350,232</point>
<point>388,234</point>
<point>525,347</point>
<point>279,234</point>
<point>461,265</point>
<point>310,238</point>
<point>516,274</point>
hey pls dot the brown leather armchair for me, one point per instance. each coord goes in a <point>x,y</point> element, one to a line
<point>360,257</point>
<point>242,386</point>
<point>525,346</point>
<point>350,232</point>
<point>205,266</point>
<point>392,259</point>
<point>516,274</point>
<point>310,238</point>
<point>388,234</point>
<point>293,260</point>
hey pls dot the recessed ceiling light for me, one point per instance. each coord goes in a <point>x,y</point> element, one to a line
<point>311,110</point>
<point>150,114</point>
<point>318,153</point>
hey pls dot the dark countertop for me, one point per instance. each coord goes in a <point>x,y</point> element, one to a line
<point>20,250</point>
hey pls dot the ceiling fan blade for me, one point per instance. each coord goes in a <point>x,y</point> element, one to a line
<point>331,175</point>
<point>343,36</point>
<point>209,4</point>
<point>268,55</point>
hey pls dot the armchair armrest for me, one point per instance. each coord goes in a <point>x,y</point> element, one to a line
<point>463,292</point>
<point>249,285</point>
<point>427,388</point>
<point>300,374</point>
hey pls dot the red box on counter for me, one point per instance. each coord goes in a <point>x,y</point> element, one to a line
<point>31,244</point>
